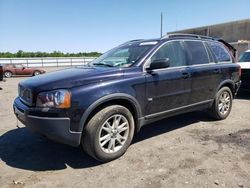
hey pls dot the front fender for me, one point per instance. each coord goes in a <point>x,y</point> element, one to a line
<point>108,98</point>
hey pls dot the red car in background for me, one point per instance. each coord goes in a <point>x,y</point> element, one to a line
<point>1,72</point>
<point>19,69</point>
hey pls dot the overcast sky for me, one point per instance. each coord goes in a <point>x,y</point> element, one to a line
<point>91,25</point>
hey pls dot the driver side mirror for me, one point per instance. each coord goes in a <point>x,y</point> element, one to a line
<point>158,64</point>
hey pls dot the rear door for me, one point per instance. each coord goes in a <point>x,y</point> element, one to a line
<point>169,88</point>
<point>205,72</point>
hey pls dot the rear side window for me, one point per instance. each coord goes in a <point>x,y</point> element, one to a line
<point>172,50</point>
<point>219,51</point>
<point>197,52</point>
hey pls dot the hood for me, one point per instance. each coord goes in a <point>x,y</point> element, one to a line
<point>72,77</point>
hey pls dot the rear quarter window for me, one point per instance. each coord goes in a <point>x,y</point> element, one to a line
<point>220,52</point>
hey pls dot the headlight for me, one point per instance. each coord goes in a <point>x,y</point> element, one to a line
<point>57,99</point>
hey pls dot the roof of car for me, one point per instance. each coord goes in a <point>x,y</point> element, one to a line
<point>189,36</point>
<point>173,36</point>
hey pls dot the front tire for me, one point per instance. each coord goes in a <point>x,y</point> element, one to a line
<point>108,133</point>
<point>7,74</point>
<point>222,105</point>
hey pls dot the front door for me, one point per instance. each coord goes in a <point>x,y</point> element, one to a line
<point>18,69</point>
<point>168,89</point>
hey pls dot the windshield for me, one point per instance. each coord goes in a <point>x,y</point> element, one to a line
<point>123,56</point>
<point>244,57</point>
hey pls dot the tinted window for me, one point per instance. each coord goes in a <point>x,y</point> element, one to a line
<point>220,52</point>
<point>173,51</point>
<point>245,57</point>
<point>198,54</point>
<point>18,66</point>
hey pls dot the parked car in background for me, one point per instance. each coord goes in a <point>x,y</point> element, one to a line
<point>19,69</point>
<point>244,62</point>
<point>101,106</point>
<point>1,72</point>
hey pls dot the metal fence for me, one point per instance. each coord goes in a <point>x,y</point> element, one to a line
<point>48,61</point>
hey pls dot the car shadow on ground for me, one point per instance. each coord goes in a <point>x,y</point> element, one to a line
<point>20,148</point>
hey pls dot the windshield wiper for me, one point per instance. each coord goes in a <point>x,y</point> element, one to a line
<point>103,64</point>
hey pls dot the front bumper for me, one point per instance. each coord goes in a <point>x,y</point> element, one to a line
<point>55,128</point>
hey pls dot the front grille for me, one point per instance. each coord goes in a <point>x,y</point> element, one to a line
<point>25,94</point>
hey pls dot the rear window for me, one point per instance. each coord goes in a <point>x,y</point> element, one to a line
<point>220,52</point>
<point>244,57</point>
<point>197,52</point>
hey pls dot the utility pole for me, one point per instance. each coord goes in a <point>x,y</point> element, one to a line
<point>161,23</point>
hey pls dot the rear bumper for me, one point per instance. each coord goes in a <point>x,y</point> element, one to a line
<point>55,128</point>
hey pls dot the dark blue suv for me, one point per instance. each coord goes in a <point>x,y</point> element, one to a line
<point>102,105</point>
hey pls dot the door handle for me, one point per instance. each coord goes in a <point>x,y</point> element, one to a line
<point>185,75</point>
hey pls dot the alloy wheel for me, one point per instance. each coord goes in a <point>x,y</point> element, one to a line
<point>7,74</point>
<point>114,133</point>
<point>224,102</point>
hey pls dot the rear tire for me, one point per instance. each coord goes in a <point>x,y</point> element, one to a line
<point>36,73</point>
<point>7,74</point>
<point>222,105</point>
<point>108,133</point>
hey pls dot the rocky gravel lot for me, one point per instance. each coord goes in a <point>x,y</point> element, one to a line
<point>188,150</point>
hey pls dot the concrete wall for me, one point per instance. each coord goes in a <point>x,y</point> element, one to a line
<point>231,32</point>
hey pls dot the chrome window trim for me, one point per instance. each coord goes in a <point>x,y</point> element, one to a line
<point>206,48</point>
<point>177,67</point>
<point>187,66</point>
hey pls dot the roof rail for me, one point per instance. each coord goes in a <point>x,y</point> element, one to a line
<point>135,40</point>
<point>187,35</point>
<point>130,41</point>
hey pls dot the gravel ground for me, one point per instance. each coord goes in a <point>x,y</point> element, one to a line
<point>188,150</point>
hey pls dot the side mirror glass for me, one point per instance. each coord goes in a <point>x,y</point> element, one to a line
<point>159,64</point>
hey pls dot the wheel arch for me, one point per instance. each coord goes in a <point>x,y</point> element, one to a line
<point>125,100</point>
<point>228,83</point>
<point>36,70</point>
<point>7,70</point>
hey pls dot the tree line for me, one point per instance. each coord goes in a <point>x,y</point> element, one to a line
<point>21,53</point>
